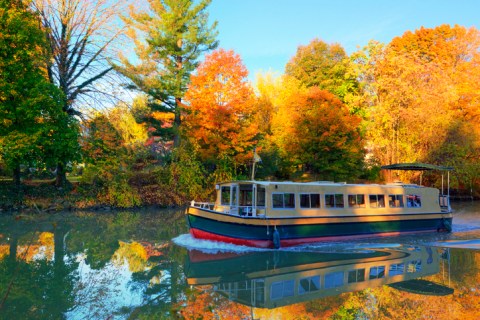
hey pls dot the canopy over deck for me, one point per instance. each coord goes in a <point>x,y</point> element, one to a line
<point>422,167</point>
<point>416,167</point>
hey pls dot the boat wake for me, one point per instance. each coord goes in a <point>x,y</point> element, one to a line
<point>213,247</point>
<point>208,246</point>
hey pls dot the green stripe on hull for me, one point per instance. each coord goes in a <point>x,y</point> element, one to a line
<point>242,231</point>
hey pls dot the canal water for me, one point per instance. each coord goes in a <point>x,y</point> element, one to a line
<point>144,265</point>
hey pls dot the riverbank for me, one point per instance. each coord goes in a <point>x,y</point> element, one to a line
<point>44,197</point>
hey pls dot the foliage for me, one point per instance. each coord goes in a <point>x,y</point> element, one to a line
<point>421,96</point>
<point>323,65</point>
<point>176,34</point>
<point>309,130</point>
<point>33,130</point>
<point>325,137</point>
<point>277,97</point>
<point>221,109</point>
<point>107,163</point>
<point>187,175</point>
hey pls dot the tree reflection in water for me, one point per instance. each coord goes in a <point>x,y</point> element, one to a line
<point>123,265</point>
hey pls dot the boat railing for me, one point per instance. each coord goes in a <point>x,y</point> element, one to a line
<point>249,211</point>
<point>243,211</point>
<point>202,205</point>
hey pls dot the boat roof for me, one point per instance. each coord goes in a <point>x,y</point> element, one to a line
<point>319,183</point>
<point>416,167</point>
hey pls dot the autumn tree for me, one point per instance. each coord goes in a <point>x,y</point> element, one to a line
<point>30,107</point>
<point>79,36</point>
<point>220,109</point>
<point>325,137</point>
<point>276,103</point>
<point>176,34</point>
<point>326,66</point>
<point>424,97</point>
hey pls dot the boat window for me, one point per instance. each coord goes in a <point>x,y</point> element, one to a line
<point>283,200</point>
<point>260,196</point>
<point>309,284</point>
<point>225,196</point>
<point>246,195</point>
<point>377,200</point>
<point>282,289</point>
<point>356,200</point>
<point>334,200</point>
<point>396,269</point>
<point>395,200</point>
<point>357,275</point>
<point>377,272</point>
<point>309,200</point>
<point>334,279</point>
<point>413,201</point>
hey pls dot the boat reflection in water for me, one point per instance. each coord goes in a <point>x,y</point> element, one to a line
<point>271,279</point>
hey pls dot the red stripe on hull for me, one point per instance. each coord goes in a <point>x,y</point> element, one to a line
<point>200,234</point>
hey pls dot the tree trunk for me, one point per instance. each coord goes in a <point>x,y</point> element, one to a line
<point>16,176</point>
<point>177,122</point>
<point>61,175</point>
<point>13,248</point>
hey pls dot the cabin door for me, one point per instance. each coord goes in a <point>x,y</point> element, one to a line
<point>234,190</point>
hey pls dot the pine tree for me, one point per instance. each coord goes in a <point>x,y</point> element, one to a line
<point>177,34</point>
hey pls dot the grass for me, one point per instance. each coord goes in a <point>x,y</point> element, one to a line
<point>72,179</point>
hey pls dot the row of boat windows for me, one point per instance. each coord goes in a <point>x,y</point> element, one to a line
<point>312,200</point>
<point>283,289</point>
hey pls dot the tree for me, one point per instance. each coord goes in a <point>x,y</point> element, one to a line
<point>423,97</point>
<point>108,159</point>
<point>325,66</point>
<point>79,34</point>
<point>325,137</point>
<point>276,103</point>
<point>30,107</point>
<point>176,34</point>
<point>221,109</point>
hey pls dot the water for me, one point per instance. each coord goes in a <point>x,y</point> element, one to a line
<point>144,265</point>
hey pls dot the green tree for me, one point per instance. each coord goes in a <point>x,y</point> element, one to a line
<point>176,34</point>
<point>30,107</point>
<point>109,161</point>
<point>326,66</point>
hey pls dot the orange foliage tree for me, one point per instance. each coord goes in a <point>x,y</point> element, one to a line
<point>220,109</point>
<point>422,92</point>
<point>326,137</point>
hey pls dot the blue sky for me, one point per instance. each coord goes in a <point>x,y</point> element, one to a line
<point>266,33</point>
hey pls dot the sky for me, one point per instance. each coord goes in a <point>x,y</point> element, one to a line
<point>267,33</point>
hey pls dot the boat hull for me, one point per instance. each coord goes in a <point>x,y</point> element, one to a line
<point>258,232</point>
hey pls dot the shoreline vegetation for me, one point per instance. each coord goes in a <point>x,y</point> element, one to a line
<point>42,197</point>
<point>194,118</point>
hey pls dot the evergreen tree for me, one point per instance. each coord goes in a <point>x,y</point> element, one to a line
<point>177,34</point>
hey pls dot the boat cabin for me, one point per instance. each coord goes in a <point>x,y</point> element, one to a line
<point>323,198</point>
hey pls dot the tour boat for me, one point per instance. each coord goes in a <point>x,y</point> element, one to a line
<point>270,279</point>
<point>273,214</point>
